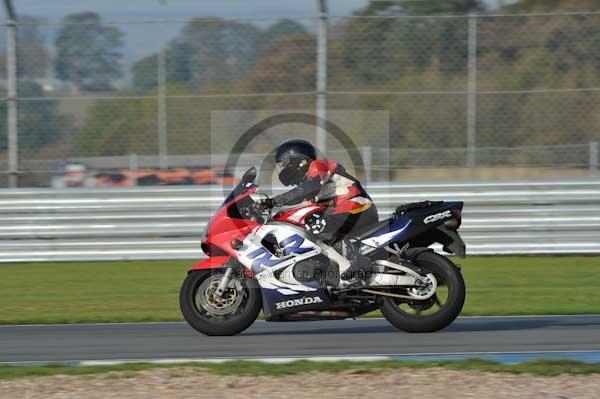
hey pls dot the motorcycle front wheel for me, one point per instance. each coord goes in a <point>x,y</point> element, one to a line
<point>211,314</point>
<point>437,312</point>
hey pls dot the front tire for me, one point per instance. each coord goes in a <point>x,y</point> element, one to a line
<point>431,315</point>
<point>210,318</point>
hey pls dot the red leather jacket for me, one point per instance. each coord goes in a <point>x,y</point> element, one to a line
<point>328,182</point>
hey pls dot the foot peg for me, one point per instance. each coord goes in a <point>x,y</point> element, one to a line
<point>352,284</point>
<point>353,280</point>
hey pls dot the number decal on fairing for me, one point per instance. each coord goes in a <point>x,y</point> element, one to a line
<point>263,258</point>
<point>292,245</point>
<point>437,216</point>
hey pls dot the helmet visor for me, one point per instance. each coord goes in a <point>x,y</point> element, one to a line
<point>279,166</point>
<point>282,163</point>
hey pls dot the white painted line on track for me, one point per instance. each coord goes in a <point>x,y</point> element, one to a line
<point>430,356</point>
<point>218,360</point>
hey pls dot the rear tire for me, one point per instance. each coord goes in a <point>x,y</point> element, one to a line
<point>445,271</point>
<point>210,324</point>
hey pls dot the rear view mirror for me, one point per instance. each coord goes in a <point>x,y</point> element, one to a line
<point>249,176</point>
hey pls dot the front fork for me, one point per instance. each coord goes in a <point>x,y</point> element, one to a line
<point>233,271</point>
<point>224,281</point>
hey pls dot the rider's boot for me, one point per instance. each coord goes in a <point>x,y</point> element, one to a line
<point>357,275</point>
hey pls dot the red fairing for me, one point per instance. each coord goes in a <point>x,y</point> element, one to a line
<point>223,229</point>
<point>212,262</point>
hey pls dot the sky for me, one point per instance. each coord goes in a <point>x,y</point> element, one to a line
<point>141,9</point>
<point>144,39</point>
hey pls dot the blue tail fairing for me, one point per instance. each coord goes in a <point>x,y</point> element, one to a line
<point>411,222</point>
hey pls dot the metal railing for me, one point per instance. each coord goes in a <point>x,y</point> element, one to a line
<point>506,89</point>
<point>500,217</point>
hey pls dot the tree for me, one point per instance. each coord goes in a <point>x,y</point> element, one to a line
<point>553,5</point>
<point>422,7</point>
<point>208,52</point>
<point>280,29</point>
<point>213,53</point>
<point>288,65</point>
<point>221,51</point>
<point>119,127</point>
<point>39,122</point>
<point>88,52</point>
<point>32,54</point>
<point>433,7</point>
<point>540,53</point>
<point>145,73</point>
<point>380,50</point>
<point>178,69</point>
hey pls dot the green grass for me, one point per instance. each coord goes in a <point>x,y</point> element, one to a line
<point>148,291</point>
<point>237,368</point>
<point>531,285</point>
<point>91,292</point>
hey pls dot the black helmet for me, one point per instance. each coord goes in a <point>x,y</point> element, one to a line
<point>292,158</point>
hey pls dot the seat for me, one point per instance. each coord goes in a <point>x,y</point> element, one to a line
<point>366,231</point>
<point>416,205</point>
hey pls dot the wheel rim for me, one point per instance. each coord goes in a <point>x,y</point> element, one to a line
<point>210,305</point>
<point>435,304</point>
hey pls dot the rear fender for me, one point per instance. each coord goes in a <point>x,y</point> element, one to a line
<point>450,240</point>
<point>212,262</point>
<point>412,253</point>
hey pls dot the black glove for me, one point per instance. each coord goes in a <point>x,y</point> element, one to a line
<point>267,203</point>
<point>259,206</point>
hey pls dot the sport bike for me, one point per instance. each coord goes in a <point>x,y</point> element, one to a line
<point>271,262</point>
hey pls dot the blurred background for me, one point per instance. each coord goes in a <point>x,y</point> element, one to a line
<point>99,93</point>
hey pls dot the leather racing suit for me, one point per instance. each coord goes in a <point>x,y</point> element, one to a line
<point>349,208</point>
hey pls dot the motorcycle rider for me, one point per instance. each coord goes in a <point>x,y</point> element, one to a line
<point>349,207</point>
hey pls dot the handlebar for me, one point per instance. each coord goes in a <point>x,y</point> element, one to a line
<point>257,209</point>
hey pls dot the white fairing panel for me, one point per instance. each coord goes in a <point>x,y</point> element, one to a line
<point>295,246</point>
<point>383,239</point>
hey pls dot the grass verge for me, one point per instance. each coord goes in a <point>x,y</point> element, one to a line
<point>148,291</point>
<point>237,368</point>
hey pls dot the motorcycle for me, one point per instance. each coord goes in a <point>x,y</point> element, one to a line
<point>257,261</point>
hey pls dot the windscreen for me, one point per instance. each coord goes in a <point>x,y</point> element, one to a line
<point>237,190</point>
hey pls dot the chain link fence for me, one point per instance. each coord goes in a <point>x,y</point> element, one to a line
<point>471,96</point>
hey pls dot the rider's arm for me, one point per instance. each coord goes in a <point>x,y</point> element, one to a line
<point>304,190</point>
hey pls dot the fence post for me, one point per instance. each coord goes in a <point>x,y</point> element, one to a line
<point>162,111</point>
<point>322,76</point>
<point>11,99</point>
<point>472,92</point>
<point>593,159</point>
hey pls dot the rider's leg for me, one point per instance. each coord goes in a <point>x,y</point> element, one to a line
<point>338,228</point>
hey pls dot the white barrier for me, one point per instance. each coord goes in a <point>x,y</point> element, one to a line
<point>500,217</point>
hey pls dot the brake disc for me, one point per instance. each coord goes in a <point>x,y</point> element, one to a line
<point>426,290</point>
<point>222,305</point>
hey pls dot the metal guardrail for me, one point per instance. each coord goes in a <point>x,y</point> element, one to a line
<point>500,217</point>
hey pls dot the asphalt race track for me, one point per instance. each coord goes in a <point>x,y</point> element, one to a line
<point>54,343</point>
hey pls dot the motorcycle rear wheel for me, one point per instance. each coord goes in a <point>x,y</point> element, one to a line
<point>431,315</point>
<point>229,316</point>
